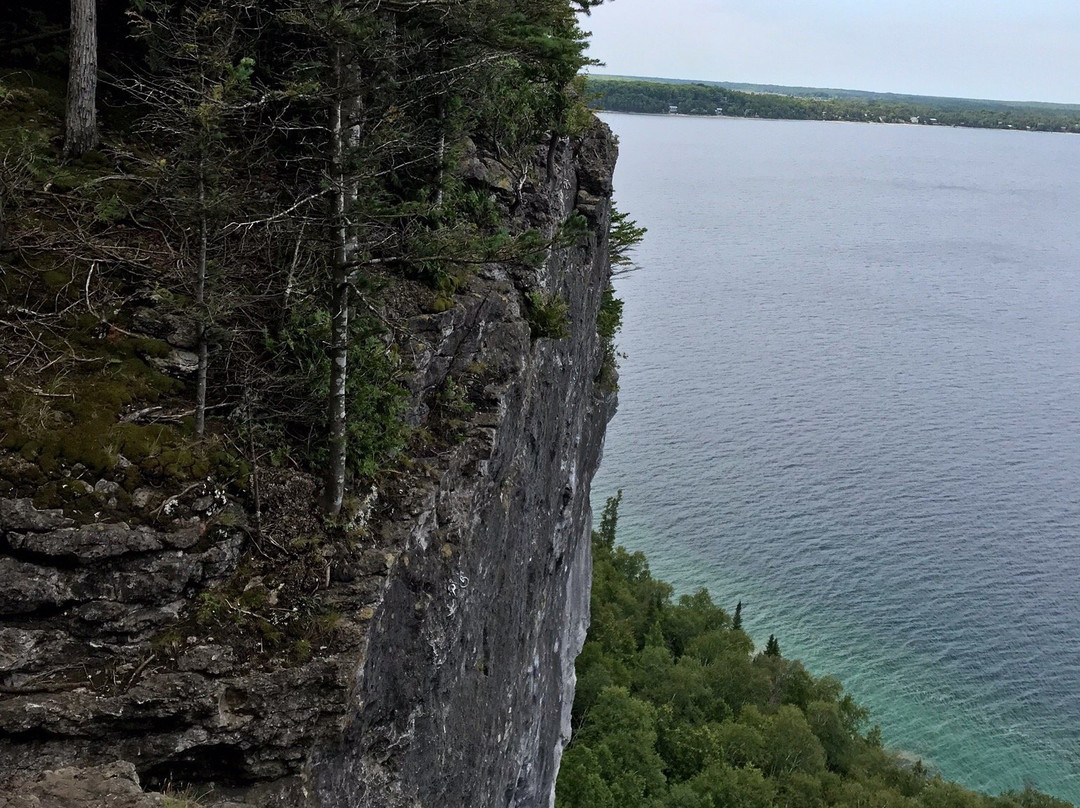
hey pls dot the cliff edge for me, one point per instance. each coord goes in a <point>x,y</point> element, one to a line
<point>439,668</point>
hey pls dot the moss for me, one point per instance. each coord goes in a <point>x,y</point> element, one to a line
<point>300,651</point>
<point>85,446</point>
<point>32,91</point>
<point>132,479</point>
<point>56,279</point>
<point>70,176</point>
<point>477,368</point>
<point>181,463</point>
<point>76,418</point>
<point>213,607</point>
<point>306,542</point>
<point>147,347</point>
<point>230,517</point>
<point>12,439</point>
<point>267,610</point>
<point>269,632</point>
<point>325,624</point>
<point>48,496</point>
<point>139,443</point>
<point>442,303</point>
<point>168,643</point>
<point>16,472</point>
<point>255,596</point>
<point>73,496</point>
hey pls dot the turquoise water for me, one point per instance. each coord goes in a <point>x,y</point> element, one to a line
<point>852,400</point>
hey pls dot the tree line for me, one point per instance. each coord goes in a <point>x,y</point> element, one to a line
<point>624,95</point>
<point>293,155</point>
<point>675,708</point>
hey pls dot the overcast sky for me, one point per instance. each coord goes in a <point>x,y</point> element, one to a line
<point>1024,50</point>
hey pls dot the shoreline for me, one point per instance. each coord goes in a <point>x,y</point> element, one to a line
<point>834,120</point>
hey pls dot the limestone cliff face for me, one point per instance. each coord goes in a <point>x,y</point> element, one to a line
<point>450,680</point>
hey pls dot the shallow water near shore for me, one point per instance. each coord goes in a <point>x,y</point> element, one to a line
<point>852,401</point>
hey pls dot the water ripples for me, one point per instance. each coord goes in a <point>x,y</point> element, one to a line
<point>851,402</point>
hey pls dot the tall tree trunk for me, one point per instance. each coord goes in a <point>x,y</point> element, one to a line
<point>440,152</point>
<point>3,215</point>
<point>342,137</point>
<point>200,307</point>
<point>80,133</point>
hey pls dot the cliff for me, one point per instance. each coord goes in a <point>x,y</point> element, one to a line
<point>438,669</point>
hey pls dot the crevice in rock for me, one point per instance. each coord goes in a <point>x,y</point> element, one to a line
<point>42,617</point>
<point>68,562</point>
<point>223,764</point>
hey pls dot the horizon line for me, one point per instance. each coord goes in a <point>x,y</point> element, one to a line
<point>661,79</point>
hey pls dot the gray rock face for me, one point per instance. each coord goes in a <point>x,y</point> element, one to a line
<point>451,681</point>
<point>179,332</point>
<point>97,541</point>
<point>176,362</point>
<point>466,694</point>
<point>115,785</point>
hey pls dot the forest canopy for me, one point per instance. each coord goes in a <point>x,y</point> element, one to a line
<point>675,708</point>
<point>690,98</point>
<point>254,179</point>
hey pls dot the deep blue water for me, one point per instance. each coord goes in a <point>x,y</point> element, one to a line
<point>852,400</point>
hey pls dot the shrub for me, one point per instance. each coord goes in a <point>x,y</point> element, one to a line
<point>547,315</point>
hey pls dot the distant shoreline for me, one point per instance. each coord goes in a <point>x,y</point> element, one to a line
<point>704,116</point>
<point>688,99</point>
<point>798,91</point>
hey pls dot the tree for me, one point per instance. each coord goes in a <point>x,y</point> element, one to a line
<point>343,138</point>
<point>197,93</point>
<point>721,786</point>
<point>624,236</point>
<point>789,744</point>
<point>621,735</point>
<point>80,125</point>
<point>736,622</point>
<point>772,647</point>
<point>609,521</point>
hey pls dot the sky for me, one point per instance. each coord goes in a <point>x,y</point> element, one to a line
<point>1017,50</point>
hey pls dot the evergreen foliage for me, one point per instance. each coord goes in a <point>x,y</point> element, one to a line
<point>673,710</point>
<point>547,316</point>
<point>608,323</point>
<point>279,171</point>
<point>657,97</point>
<point>625,235</point>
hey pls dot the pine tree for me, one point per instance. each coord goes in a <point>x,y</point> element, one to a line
<point>609,521</point>
<point>772,647</point>
<point>736,623</point>
<point>655,636</point>
<point>197,91</point>
<point>80,124</point>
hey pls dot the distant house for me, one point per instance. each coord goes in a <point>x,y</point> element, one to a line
<point>719,110</point>
<point>914,118</point>
<point>673,109</point>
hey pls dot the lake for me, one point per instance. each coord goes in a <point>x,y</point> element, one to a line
<point>851,399</point>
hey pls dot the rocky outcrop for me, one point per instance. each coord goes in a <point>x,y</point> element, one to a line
<point>115,785</point>
<point>449,678</point>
